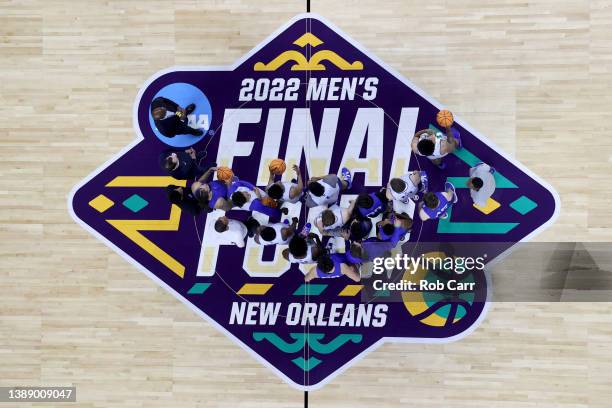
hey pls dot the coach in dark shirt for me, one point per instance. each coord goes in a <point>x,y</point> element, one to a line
<point>184,198</point>
<point>170,119</point>
<point>183,164</point>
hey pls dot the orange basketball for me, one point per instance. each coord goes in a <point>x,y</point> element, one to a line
<point>444,118</point>
<point>224,173</point>
<point>277,166</point>
<point>269,202</point>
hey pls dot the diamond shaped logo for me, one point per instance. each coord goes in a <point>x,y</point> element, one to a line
<point>313,97</point>
<point>135,203</point>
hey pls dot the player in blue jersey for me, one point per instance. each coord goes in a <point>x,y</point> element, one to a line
<point>333,266</point>
<point>436,205</point>
<point>213,194</point>
<point>370,205</point>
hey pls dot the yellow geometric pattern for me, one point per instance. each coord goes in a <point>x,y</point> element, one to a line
<point>308,39</point>
<point>314,64</point>
<point>350,290</point>
<point>145,181</point>
<point>255,288</point>
<point>101,203</point>
<point>489,207</point>
<point>132,228</point>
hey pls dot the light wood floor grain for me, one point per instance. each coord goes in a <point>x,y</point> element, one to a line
<point>535,76</point>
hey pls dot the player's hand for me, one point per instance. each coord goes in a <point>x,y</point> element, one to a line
<point>296,168</point>
<point>213,168</point>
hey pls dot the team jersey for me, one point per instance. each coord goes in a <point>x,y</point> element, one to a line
<point>287,185</point>
<point>377,207</point>
<point>218,190</point>
<point>411,189</point>
<point>278,240</point>
<point>437,154</point>
<point>339,220</point>
<point>338,260</point>
<point>440,211</point>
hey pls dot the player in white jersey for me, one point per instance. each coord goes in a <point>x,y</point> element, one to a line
<point>303,250</point>
<point>277,233</point>
<point>407,187</point>
<point>435,145</point>
<point>331,220</point>
<point>234,232</point>
<point>481,183</point>
<point>326,190</point>
<point>286,191</point>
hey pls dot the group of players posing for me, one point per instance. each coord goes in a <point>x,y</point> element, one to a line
<point>363,240</point>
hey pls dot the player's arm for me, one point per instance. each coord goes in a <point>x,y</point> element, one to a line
<point>312,274</point>
<point>289,231</point>
<point>388,194</point>
<point>348,211</point>
<point>270,179</point>
<point>350,271</point>
<point>316,239</point>
<point>206,175</point>
<point>296,190</point>
<point>451,142</point>
<point>319,224</point>
<point>223,204</point>
<point>195,187</point>
<point>285,253</point>
<point>422,214</point>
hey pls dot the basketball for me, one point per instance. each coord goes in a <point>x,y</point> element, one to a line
<point>224,173</point>
<point>277,166</point>
<point>445,118</point>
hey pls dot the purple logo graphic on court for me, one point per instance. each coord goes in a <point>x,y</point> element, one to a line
<point>314,98</point>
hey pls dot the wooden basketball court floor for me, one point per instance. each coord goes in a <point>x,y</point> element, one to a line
<point>534,76</point>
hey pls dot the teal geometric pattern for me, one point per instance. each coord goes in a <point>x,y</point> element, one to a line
<point>313,340</point>
<point>306,365</point>
<point>135,203</point>
<point>335,344</point>
<point>279,343</point>
<point>500,181</point>
<point>523,205</point>
<point>382,293</point>
<point>446,226</point>
<point>310,289</point>
<point>198,288</point>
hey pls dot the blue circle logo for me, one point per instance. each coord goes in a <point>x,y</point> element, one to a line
<point>182,131</point>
